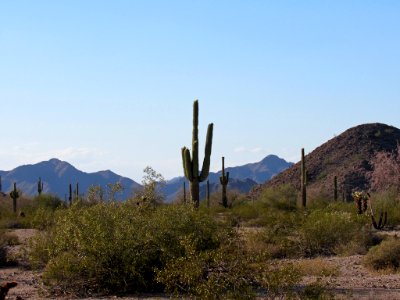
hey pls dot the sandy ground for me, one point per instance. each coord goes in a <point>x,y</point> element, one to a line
<point>351,281</point>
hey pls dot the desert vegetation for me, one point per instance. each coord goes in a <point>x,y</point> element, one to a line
<point>272,244</point>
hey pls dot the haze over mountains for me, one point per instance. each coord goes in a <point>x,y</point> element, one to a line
<point>57,175</point>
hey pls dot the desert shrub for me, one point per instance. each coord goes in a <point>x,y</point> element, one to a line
<point>278,282</point>
<point>387,201</point>
<point>282,197</point>
<point>119,247</point>
<point>6,239</point>
<point>47,201</point>
<point>212,274</point>
<point>280,233</point>
<point>317,290</point>
<point>386,255</point>
<point>325,232</point>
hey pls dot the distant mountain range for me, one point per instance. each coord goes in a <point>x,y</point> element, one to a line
<point>57,175</point>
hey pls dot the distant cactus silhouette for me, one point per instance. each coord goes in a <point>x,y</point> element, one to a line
<point>14,195</point>
<point>40,186</point>
<point>77,192</point>
<point>303,179</point>
<point>224,179</point>
<point>191,162</point>
<point>70,195</point>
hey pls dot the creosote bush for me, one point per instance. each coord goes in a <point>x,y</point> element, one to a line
<point>128,248</point>
<point>327,232</point>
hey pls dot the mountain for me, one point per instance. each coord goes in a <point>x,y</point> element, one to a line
<point>57,175</point>
<point>241,178</point>
<point>347,156</point>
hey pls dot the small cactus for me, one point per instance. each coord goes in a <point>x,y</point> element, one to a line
<point>224,179</point>
<point>361,201</point>
<point>14,195</point>
<point>382,220</point>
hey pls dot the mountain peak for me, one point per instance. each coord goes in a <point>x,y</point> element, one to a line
<point>346,156</point>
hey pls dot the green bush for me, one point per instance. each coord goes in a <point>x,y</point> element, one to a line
<point>386,255</point>
<point>283,197</point>
<point>325,231</point>
<point>122,247</point>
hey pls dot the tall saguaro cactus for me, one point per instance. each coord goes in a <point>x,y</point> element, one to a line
<point>191,162</point>
<point>224,179</point>
<point>40,186</point>
<point>303,179</point>
<point>14,195</point>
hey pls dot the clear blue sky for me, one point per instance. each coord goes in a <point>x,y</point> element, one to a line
<point>110,84</point>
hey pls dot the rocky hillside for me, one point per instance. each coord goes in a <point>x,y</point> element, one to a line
<point>346,156</point>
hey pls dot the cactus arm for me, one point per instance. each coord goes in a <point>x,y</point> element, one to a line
<point>187,164</point>
<point>207,154</point>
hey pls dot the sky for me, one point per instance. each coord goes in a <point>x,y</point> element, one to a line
<point>110,84</point>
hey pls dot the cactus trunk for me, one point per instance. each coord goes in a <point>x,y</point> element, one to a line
<point>191,161</point>
<point>70,195</point>
<point>224,179</point>
<point>303,180</point>
<point>14,195</point>
<point>77,191</point>
<point>40,186</point>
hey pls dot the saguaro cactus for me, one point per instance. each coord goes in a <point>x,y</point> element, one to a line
<point>1,186</point>
<point>14,195</point>
<point>77,191</point>
<point>40,186</point>
<point>303,179</point>
<point>224,179</point>
<point>335,190</point>
<point>191,162</point>
<point>70,195</point>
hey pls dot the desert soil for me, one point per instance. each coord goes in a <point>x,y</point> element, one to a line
<point>352,281</point>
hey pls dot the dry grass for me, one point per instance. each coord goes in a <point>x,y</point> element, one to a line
<point>318,267</point>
